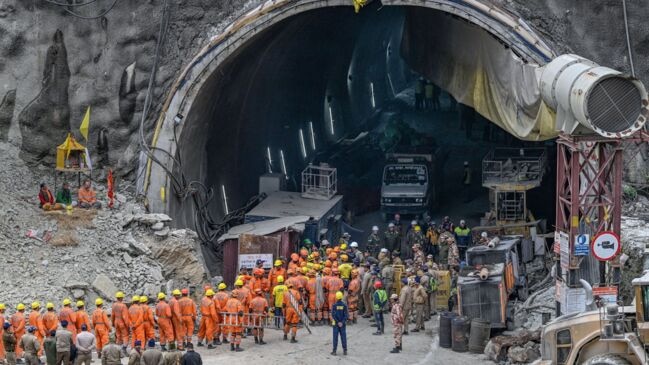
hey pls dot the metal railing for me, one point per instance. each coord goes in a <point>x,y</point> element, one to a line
<point>319,182</point>
<point>514,166</point>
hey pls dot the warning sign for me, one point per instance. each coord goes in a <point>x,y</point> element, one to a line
<point>582,244</point>
<point>565,250</point>
<point>606,245</point>
<point>607,294</point>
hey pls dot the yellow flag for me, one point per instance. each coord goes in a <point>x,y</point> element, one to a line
<point>85,123</point>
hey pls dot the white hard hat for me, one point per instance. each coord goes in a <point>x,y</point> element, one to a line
<point>466,163</point>
<point>433,223</point>
<point>483,234</point>
<point>346,234</point>
<point>462,221</point>
<point>324,243</point>
<point>414,223</point>
<point>375,228</point>
<point>384,250</point>
<point>391,225</point>
<point>354,244</point>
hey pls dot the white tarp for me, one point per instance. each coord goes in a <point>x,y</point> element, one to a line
<point>266,227</point>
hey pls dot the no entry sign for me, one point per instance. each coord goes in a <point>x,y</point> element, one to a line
<point>606,245</point>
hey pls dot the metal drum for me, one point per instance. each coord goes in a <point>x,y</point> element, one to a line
<point>479,335</point>
<point>460,333</point>
<point>445,329</point>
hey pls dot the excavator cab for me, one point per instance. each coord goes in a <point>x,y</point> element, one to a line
<point>641,291</point>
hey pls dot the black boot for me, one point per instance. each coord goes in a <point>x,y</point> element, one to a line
<point>238,349</point>
<point>163,347</point>
<point>285,337</point>
<point>261,342</point>
<point>216,342</point>
<point>400,348</point>
<point>333,353</point>
<point>210,346</point>
<point>345,352</point>
<point>231,347</point>
<point>199,344</point>
<point>256,340</point>
<point>225,340</point>
<point>395,350</point>
<point>293,340</point>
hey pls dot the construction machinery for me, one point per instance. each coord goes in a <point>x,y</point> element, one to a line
<point>606,334</point>
<point>492,277</point>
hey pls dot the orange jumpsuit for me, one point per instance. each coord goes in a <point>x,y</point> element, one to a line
<point>325,306</point>
<point>274,273</point>
<point>233,308</point>
<point>121,322</point>
<point>36,320</point>
<point>18,323</point>
<point>2,346</point>
<point>67,314</point>
<point>245,296</point>
<point>165,324</point>
<point>297,283</point>
<point>334,284</point>
<point>136,315</point>
<point>188,316</point>
<point>102,327</point>
<point>353,292</point>
<point>258,310</point>
<point>208,319</point>
<point>176,320</point>
<point>294,265</point>
<point>259,283</point>
<point>315,313</point>
<point>50,321</point>
<point>291,314</point>
<point>148,322</point>
<point>221,298</point>
<point>82,318</point>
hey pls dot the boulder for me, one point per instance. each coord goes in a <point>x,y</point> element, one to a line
<point>162,233</point>
<point>179,260</point>
<point>136,248</point>
<point>78,294</point>
<point>151,219</point>
<point>127,258</point>
<point>158,226</point>
<point>104,286</point>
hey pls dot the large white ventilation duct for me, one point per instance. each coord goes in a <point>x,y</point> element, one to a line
<point>595,97</point>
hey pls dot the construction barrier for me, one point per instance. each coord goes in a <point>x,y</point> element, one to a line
<point>443,289</point>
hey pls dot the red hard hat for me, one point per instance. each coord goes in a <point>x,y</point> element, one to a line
<point>185,291</point>
<point>377,284</point>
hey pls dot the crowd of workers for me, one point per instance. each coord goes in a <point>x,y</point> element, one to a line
<point>86,197</point>
<point>321,284</point>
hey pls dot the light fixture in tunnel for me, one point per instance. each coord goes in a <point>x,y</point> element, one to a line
<point>225,200</point>
<point>331,121</point>
<point>372,92</point>
<point>283,162</point>
<point>312,135</point>
<point>302,144</point>
<point>269,160</point>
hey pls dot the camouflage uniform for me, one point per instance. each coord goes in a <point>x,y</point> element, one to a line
<point>396,316</point>
<point>392,240</point>
<point>373,243</point>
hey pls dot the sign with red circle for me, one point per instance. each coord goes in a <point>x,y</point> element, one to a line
<point>606,245</point>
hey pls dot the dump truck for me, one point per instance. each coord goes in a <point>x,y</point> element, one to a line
<point>408,185</point>
<point>491,279</point>
<point>609,334</point>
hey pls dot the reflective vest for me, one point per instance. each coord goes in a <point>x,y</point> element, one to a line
<point>382,297</point>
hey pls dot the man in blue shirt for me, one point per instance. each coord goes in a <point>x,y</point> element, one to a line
<point>338,321</point>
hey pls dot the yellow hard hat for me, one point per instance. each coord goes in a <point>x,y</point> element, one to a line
<point>305,270</point>
<point>49,305</point>
<point>176,292</point>
<point>2,306</point>
<point>222,286</point>
<point>20,307</point>
<point>280,279</point>
<point>209,292</point>
<point>278,262</point>
<point>240,277</point>
<point>144,299</point>
<point>417,228</point>
<point>339,295</point>
<point>343,246</point>
<point>67,301</point>
<point>99,301</point>
<point>135,299</point>
<point>161,296</point>
<point>119,295</point>
<point>36,305</point>
<point>80,303</point>
<point>344,258</point>
<point>239,282</point>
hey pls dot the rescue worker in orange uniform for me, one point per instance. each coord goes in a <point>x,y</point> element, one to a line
<point>353,294</point>
<point>147,317</point>
<point>291,313</point>
<point>121,321</point>
<point>233,312</point>
<point>333,285</point>
<point>50,318</point>
<point>258,312</point>
<point>188,315</point>
<point>177,319</point>
<point>3,353</point>
<point>221,298</point>
<point>101,325</point>
<point>82,316</point>
<point>315,310</point>
<point>136,315</point>
<point>293,279</point>
<point>276,271</point>
<point>294,264</point>
<point>208,318</point>
<point>245,296</point>
<point>36,320</point>
<point>201,324</point>
<point>67,314</point>
<point>165,324</point>
<point>303,279</point>
<point>259,281</point>
<point>326,308</point>
<point>18,324</point>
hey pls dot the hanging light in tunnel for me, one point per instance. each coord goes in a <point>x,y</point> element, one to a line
<point>225,200</point>
<point>283,162</point>
<point>331,121</point>
<point>372,92</point>
<point>269,160</point>
<point>312,134</point>
<point>302,144</point>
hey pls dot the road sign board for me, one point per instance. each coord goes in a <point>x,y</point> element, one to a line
<point>582,244</point>
<point>606,245</point>
<point>608,294</point>
<point>565,250</point>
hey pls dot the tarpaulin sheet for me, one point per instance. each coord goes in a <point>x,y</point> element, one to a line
<point>479,71</point>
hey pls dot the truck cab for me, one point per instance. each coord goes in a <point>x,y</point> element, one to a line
<point>407,186</point>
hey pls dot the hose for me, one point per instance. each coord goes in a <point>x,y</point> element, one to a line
<point>65,7</point>
<point>628,38</point>
<point>70,5</point>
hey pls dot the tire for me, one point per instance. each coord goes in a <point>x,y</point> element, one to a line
<point>607,359</point>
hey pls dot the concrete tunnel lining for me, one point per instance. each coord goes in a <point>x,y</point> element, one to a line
<point>237,36</point>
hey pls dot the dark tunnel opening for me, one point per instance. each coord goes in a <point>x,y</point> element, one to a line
<point>299,91</point>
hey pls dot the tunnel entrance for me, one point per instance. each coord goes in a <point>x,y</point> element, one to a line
<point>328,85</point>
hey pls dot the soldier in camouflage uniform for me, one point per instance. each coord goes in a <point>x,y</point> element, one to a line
<point>396,315</point>
<point>374,241</point>
<point>391,238</point>
<point>449,245</point>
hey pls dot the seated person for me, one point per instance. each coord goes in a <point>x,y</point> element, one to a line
<point>87,196</point>
<point>46,198</point>
<point>64,196</point>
